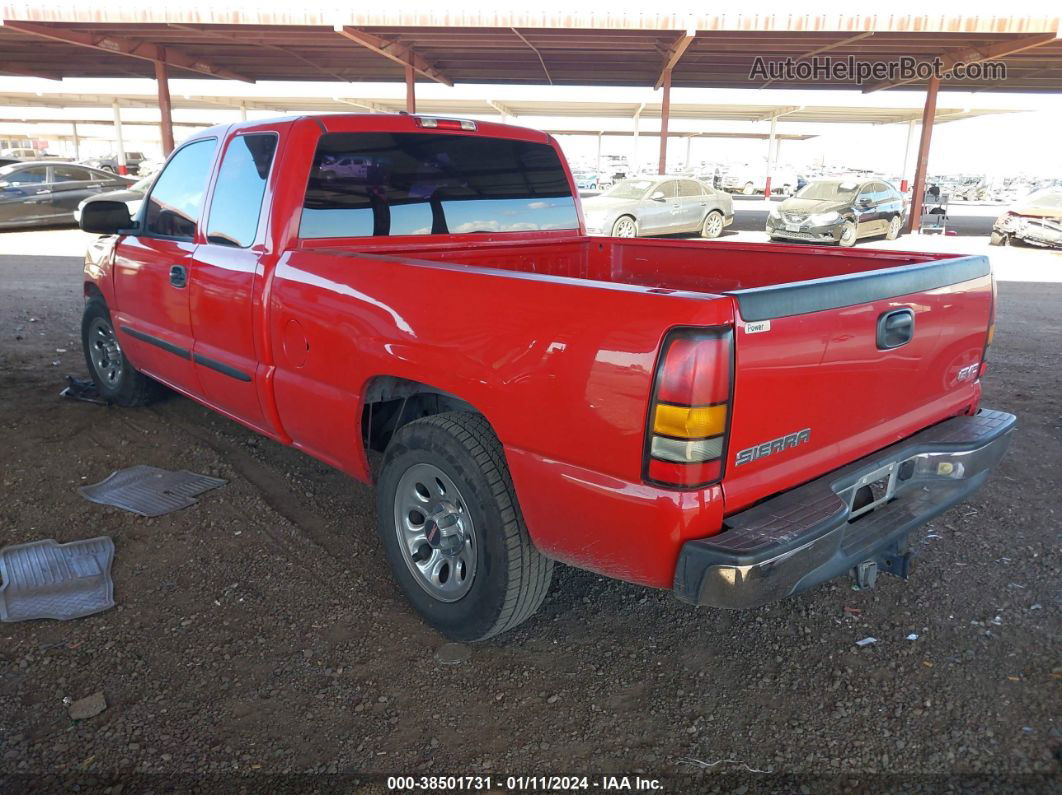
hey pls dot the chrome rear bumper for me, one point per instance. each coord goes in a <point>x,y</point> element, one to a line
<point>859,513</point>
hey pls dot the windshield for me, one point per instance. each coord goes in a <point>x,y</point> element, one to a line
<point>828,190</point>
<point>629,189</point>
<point>5,170</point>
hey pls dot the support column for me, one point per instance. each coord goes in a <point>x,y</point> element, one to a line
<point>914,215</point>
<point>665,112</point>
<point>77,141</point>
<point>906,156</point>
<point>770,158</point>
<point>162,78</point>
<point>634,148</point>
<point>243,111</point>
<point>689,146</point>
<point>411,91</point>
<point>119,143</point>
<point>597,167</point>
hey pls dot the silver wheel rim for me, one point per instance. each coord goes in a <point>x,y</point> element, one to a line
<point>713,225</point>
<point>624,228</point>
<point>105,352</point>
<point>894,226</point>
<point>435,532</point>
<point>848,235</point>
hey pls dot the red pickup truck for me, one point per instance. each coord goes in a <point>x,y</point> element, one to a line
<point>736,423</point>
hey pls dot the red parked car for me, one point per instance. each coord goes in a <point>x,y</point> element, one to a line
<point>736,423</point>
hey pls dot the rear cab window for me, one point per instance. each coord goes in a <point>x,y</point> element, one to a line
<point>378,184</point>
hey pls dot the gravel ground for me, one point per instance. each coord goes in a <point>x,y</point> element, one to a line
<point>259,641</point>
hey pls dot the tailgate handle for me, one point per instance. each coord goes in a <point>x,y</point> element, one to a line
<point>895,328</point>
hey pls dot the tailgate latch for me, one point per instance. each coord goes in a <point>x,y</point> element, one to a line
<point>895,328</point>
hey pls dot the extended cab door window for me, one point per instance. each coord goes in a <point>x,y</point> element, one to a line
<point>376,184</point>
<point>177,196</point>
<point>237,201</point>
<point>225,278</point>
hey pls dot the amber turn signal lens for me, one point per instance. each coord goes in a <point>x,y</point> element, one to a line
<point>686,422</point>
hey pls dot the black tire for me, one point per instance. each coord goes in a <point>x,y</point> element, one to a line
<point>511,576</point>
<point>131,387</point>
<point>846,240</point>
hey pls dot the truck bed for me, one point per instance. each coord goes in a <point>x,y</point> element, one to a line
<point>686,265</point>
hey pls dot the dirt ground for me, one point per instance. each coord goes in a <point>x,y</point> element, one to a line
<point>258,641</point>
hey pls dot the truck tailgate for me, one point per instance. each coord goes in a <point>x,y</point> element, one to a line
<point>817,383</point>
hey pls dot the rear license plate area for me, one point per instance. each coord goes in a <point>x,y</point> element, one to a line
<point>873,490</point>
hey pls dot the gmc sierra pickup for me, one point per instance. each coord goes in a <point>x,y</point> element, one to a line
<point>736,423</point>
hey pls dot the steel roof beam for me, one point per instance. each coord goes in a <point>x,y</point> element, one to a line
<point>674,53</point>
<point>121,45</point>
<point>396,51</point>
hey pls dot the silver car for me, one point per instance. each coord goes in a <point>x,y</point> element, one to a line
<point>658,206</point>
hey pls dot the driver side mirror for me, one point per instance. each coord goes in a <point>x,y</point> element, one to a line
<point>658,196</point>
<point>105,217</point>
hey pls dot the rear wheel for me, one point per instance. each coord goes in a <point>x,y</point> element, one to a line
<point>625,226</point>
<point>116,379</point>
<point>713,225</point>
<point>848,234</point>
<point>749,189</point>
<point>452,529</point>
<point>893,230</point>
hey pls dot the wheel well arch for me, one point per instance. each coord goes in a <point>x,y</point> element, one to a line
<point>93,292</point>
<point>389,402</point>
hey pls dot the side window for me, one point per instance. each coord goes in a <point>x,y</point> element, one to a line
<point>177,197</point>
<point>70,174</point>
<point>884,192</point>
<point>29,176</point>
<point>688,187</point>
<point>669,189</point>
<point>239,189</point>
<point>866,193</point>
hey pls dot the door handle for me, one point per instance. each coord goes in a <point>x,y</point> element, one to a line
<point>178,275</point>
<point>895,328</point>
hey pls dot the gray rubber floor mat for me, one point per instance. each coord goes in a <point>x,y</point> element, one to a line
<point>150,491</point>
<point>46,579</point>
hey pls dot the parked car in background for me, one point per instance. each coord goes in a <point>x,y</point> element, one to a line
<point>132,196</point>
<point>658,206</point>
<point>586,180</point>
<point>110,162</point>
<point>20,154</point>
<point>838,211</point>
<point>1036,219</point>
<point>150,167</point>
<point>38,193</point>
<point>749,179</point>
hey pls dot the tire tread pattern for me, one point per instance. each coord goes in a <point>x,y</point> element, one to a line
<point>530,572</point>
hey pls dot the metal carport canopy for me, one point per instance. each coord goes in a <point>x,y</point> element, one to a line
<point>486,46</point>
<point>571,47</point>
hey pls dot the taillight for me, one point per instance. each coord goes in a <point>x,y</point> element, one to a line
<point>990,335</point>
<point>690,411</point>
<point>433,123</point>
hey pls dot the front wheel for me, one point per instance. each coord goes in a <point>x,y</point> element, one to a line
<point>848,234</point>
<point>116,379</point>
<point>998,239</point>
<point>893,230</point>
<point>625,226</point>
<point>453,531</point>
<point>713,225</point>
